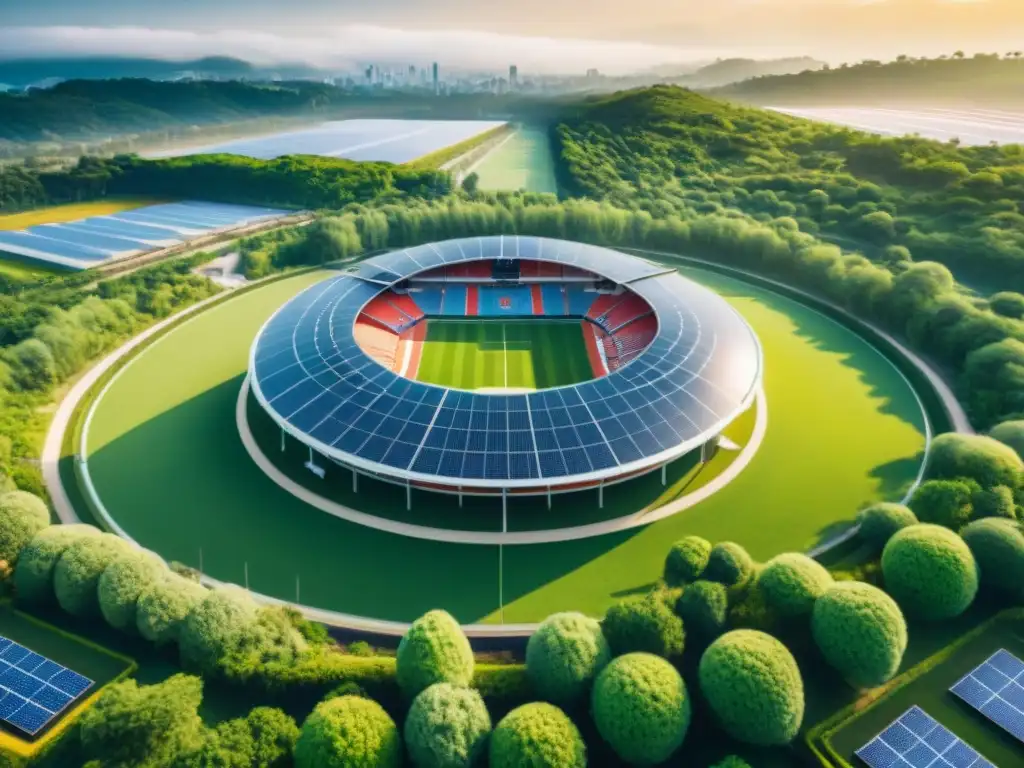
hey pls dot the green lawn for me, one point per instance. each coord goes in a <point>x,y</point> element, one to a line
<point>523,162</point>
<point>523,354</point>
<point>166,459</point>
<point>930,691</point>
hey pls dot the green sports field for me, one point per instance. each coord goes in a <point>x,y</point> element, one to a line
<point>504,354</point>
<point>848,435</point>
<point>523,162</point>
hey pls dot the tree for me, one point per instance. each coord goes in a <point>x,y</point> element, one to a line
<point>433,650</point>
<point>147,726</point>
<point>792,582</point>
<point>33,576</point>
<point>641,708</point>
<point>753,686</point>
<point>643,623</point>
<point>998,548</point>
<point>471,183</point>
<point>216,627</point>
<point>348,732</point>
<point>880,521</point>
<point>447,727</point>
<point>564,655</point>
<point>22,516</point>
<point>861,632</point>
<point>537,735</point>
<point>77,574</point>
<point>264,739</point>
<point>164,605</point>
<point>123,582</point>
<point>729,564</point>
<point>930,572</point>
<point>686,560</point>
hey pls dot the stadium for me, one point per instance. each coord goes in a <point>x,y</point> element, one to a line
<point>505,365</point>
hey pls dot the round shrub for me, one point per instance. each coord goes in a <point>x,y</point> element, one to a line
<point>1007,304</point>
<point>77,573</point>
<point>447,727</point>
<point>880,521</point>
<point>434,650</point>
<point>22,516</point>
<point>752,684</point>
<point>640,708</point>
<point>564,656</point>
<point>948,503</point>
<point>1010,433</point>
<point>163,606</point>
<point>998,548</point>
<point>121,584</point>
<point>33,576</point>
<point>791,582</point>
<point>704,609</point>
<point>537,735</point>
<point>686,560</point>
<point>861,632</point>
<point>643,624</point>
<point>215,627</point>
<point>983,459</point>
<point>348,732</point>
<point>996,501</point>
<point>930,572</point>
<point>729,564</point>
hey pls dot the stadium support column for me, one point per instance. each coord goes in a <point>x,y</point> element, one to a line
<point>282,441</point>
<point>355,481</point>
<point>408,495</point>
<point>664,475</point>
<point>460,497</point>
<point>600,495</point>
<point>504,510</point>
<point>549,497</point>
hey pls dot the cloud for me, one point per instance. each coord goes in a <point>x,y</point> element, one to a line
<point>348,44</point>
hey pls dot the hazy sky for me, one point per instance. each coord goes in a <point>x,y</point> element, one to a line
<point>614,35</point>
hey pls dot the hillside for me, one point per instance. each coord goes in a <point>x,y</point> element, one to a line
<point>981,80</point>
<point>668,150</point>
<point>726,71</point>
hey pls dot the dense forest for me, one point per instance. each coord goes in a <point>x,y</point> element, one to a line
<point>984,79</point>
<point>298,181</point>
<point>667,150</point>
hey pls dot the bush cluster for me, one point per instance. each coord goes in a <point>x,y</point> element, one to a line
<point>752,684</point>
<point>686,560</point>
<point>447,727</point>
<point>348,732</point>
<point>641,708</point>
<point>643,624</point>
<point>537,735</point>
<point>215,628</point>
<point>792,582</point>
<point>434,650</point>
<point>983,459</point>
<point>123,582</point>
<point>564,655</point>
<point>1010,433</point>
<point>729,564</point>
<point>164,605</point>
<point>77,574</point>
<point>22,516</point>
<point>704,609</point>
<point>33,576</point>
<point>949,503</point>
<point>998,548</point>
<point>880,521</point>
<point>861,632</point>
<point>930,572</point>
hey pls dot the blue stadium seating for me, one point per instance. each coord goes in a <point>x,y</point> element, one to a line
<point>553,298</point>
<point>454,300</point>
<point>500,300</point>
<point>429,299</point>
<point>580,300</point>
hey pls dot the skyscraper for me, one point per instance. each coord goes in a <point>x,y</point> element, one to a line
<point>437,82</point>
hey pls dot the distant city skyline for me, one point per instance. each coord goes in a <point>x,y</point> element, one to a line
<point>566,36</point>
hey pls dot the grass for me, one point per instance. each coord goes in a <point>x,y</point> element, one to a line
<point>848,435</point>
<point>71,212</point>
<point>523,162</point>
<point>86,658</point>
<point>525,354</point>
<point>928,687</point>
<point>445,155</point>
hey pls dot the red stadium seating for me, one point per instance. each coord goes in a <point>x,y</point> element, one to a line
<point>602,304</point>
<point>537,299</point>
<point>472,300</point>
<point>633,338</point>
<point>406,304</point>
<point>627,310</point>
<point>393,311</point>
<point>379,343</point>
<point>480,269</point>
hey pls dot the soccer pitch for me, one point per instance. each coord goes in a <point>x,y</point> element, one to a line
<point>524,354</point>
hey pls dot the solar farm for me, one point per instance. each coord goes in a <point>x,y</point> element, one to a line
<point>393,141</point>
<point>33,689</point>
<point>96,240</point>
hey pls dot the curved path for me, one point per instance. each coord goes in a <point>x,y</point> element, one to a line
<point>67,514</point>
<point>489,537</point>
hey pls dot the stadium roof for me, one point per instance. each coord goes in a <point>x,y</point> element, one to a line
<point>701,371</point>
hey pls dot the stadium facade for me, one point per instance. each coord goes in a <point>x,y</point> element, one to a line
<point>674,365</point>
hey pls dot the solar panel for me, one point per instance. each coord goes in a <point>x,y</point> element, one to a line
<point>34,689</point>
<point>996,690</point>
<point>917,740</point>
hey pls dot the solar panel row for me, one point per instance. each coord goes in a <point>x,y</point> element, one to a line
<point>34,689</point>
<point>996,690</point>
<point>85,243</point>
<point>917,740</point>
<point>701,370</point>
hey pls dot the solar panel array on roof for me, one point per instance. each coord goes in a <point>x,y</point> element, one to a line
<point>996,689</point>
<point>917,740</point>
<point>92,241</point>
<point>34,689</point>
<point>701,370</point>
